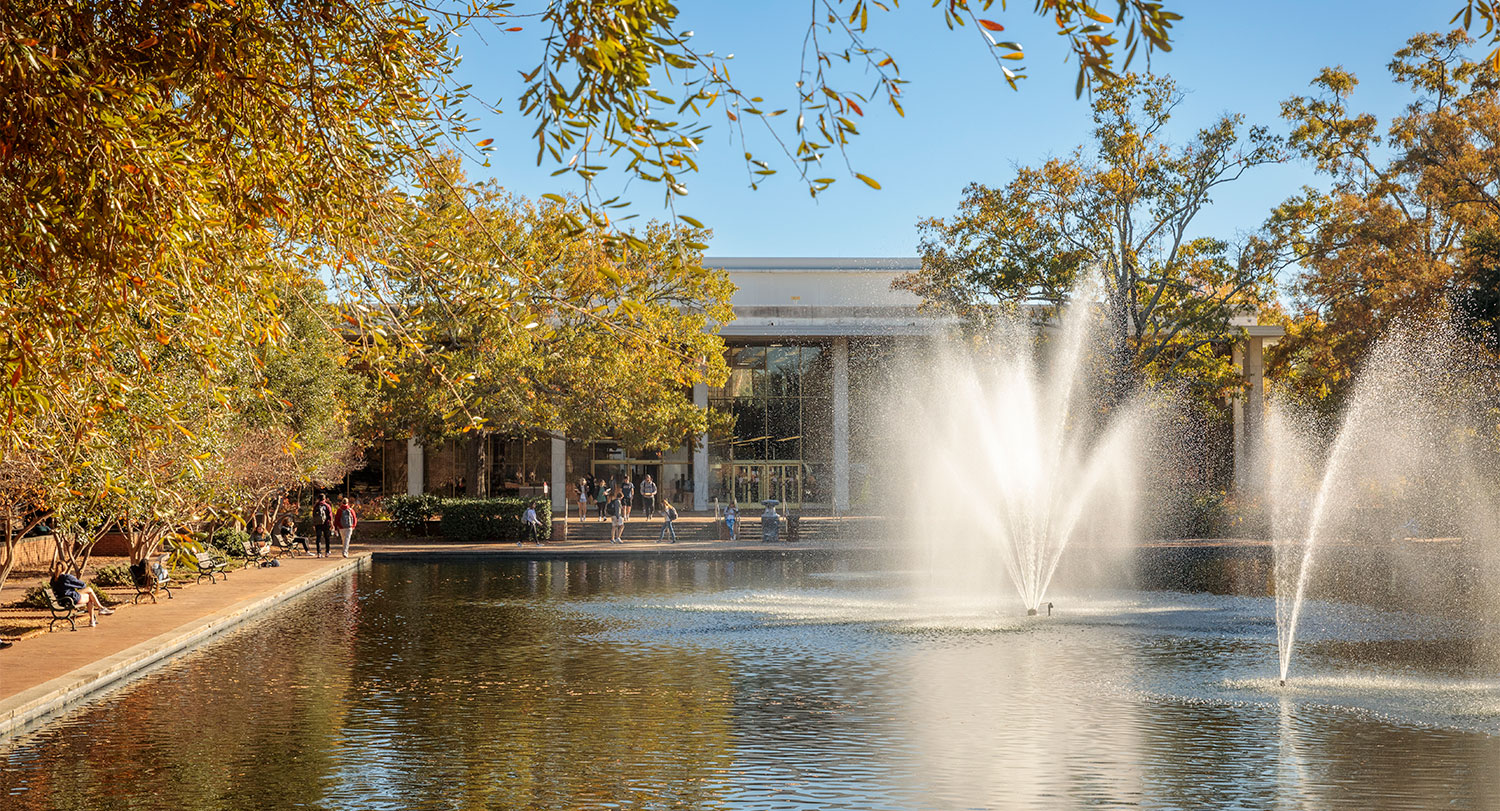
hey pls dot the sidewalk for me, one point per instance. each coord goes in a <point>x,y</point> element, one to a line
<point>44,673</point>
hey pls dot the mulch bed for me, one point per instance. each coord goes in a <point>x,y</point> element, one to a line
<point>19,622</point>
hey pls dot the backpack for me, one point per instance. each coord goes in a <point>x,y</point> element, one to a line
<point>322,514</point>
<point>612,509</point>
<point>671,513</point>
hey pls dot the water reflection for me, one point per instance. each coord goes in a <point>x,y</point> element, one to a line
<point>758,685</point>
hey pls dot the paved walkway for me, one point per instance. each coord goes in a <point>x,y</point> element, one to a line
<point>43,673</point>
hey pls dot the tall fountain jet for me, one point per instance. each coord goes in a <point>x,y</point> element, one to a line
<point>1014,456</point>
<point>1406,460</point>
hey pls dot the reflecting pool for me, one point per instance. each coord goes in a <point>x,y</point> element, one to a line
<point>772,685</point>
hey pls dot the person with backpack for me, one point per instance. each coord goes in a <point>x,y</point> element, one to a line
<point>616,512</point>
<point>344,521</point>
<point>322,527</point>
<point>648,495</point>
<point>668,515</point>
<point>627,492</point>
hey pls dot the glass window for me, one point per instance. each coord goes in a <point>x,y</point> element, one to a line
<point>784,428</point>
<point>782,371</point>
<point>747,371</point>
<point>816,371</point>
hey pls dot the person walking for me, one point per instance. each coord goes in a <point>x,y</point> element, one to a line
<point>627,492</point>
<point>344,521</point>
<point>648,495</point>
<point>668,515</point>
<point>616,512</point>
<point>583,498</point>
<point>531,525</point>
<point>732,519</point>
<point>322,527</point>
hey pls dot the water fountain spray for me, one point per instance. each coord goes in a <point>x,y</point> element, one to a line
<point>1011,456</point>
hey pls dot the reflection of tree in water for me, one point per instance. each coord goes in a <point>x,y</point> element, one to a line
<point>473,695</point>
<point>252,721</point>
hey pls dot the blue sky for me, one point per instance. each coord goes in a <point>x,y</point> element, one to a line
<point>962,122</point>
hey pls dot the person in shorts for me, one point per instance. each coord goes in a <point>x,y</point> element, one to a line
<point>615,510</point>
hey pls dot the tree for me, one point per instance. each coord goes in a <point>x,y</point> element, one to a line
<point>1121,211</point>
<point>1386,241</point>
<point>595,339</point>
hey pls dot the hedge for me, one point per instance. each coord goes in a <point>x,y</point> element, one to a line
<point>490,519</point>
<point>411,513</point>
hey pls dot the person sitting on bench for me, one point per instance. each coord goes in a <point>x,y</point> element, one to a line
<point>69,588</point>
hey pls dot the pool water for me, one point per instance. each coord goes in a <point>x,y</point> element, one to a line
<point>772,685</point>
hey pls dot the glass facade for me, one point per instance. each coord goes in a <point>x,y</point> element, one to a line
<point>774,437</point>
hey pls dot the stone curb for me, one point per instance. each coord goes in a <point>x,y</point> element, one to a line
<point>21,711</point>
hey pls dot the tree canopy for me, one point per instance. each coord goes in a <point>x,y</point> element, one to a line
<point>1407,203</point>
<point>1120,209</point>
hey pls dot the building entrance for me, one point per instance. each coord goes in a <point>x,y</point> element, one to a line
<point>755,482</point>
<point>615,470</point>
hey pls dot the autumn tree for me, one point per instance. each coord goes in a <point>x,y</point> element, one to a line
<point>588,339</point>
<point>1406,205</point>
<point>1120,210</point>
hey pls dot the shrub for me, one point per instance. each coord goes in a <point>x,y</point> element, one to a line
<point>411,513</point>
<point>36,597</point>
<point>489,519</point>
<point>229,540</point>
<point>113,576</point>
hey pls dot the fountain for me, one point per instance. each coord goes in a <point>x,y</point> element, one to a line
<point>1015,458</point>
<point>1404,461</point>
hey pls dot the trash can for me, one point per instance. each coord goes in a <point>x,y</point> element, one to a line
<point>770,526</point>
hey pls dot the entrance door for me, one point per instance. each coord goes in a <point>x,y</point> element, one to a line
<point>755,482</point>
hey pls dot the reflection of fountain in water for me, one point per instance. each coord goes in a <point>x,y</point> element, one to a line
<point>1405,462</point>
<point>1012,457</point>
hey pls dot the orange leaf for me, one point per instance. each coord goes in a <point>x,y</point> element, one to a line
<point>992,25</point>
<point>486,142</point>
<point>854,107</point>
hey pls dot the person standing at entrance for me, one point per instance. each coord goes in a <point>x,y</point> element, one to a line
<point>648,495</point>
<point>344,521</point>
<point>601,496</point>
<point>583,499</point>
<point>322,527</point>
<point>616,512</point>
<point>627,492</point>
<point>668,515</point>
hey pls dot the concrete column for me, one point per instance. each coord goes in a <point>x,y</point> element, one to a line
<point>1250,416</point>
<point>700,454</point>
<point>559,472</point>
<point>416,468</point>
<point>1237,407</point>
<point>841,424</point>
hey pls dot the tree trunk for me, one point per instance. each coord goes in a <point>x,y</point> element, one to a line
<point>476,465</point>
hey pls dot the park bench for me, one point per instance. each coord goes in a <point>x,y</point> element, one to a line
<point>209,565</point>
<point>146,582</point>
<point>286,545</point>
<point>255,554</point>
<point>62,609</point>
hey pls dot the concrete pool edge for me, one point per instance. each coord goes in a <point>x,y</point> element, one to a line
<point>20,712</point>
